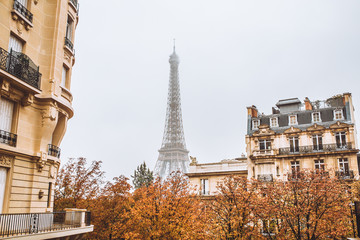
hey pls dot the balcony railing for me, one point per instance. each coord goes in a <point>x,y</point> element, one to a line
<point>316,148</point>
<point>8,138</point>
<point>204,193</point>
<point>345,175</point>
<point>54,151</point>
<point>263,152</point>
<point>69,44</point>
<point>21,66</point>
<point>33,223</point>
<point>23,11</point>
<point>265,177</point>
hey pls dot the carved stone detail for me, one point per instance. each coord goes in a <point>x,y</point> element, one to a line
<point>52,171</point>
<point>264,130</point>
<point>5,160</point>
<point>27,100</point>
<point>41,161</point>
<point>292,130</point>
<point>50,112</point>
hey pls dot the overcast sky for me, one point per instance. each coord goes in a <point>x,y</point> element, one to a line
<point>233,54</point>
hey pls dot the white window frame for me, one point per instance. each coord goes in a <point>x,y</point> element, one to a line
<point>340,139</point>
<point>3,177</point>
<point>295,123</point>
<point>343,165</point>
<point>317,142</point>
<point>204,186</point>
<point>294,144</point>
<point>64,77</point>
<point>6,114</point>
<point>69,28</point>
<point>295,166</point>
<point>15,44</point>
<point>336,112</point>
<point>313,118</point>
<point>266,143</point>
<point>255,126</point>
<point>276,120</point>
<point>319,165</point>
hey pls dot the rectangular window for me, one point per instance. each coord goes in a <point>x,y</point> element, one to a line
<point>269,227</point>
<point>340,138</point>
<point>49,195</point>
<point>319,165</point>
<point>274,122</point>
<point>316,117</point>
<point>64,77</point>
<point>69,28</point>
<point>295,169</point>
<point>344,165</point>
<point>15,44</point>
<point>293,120</point>
<point>317,143</point>
<point>338,114</point>
<point>204,186</point>
<point>294,144</point>
<point>23,2</point>
<point>6,114</point>
<point>3,172</point>
<point>256,124</point>
<point>264,144</point>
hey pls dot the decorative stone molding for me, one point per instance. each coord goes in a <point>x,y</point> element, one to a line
<point>21,22</point>
<point>41,161</point>
<point>292,130</point>
<point>52,171</point>
<point>36,2</point>
<point>193,161</point>
<point>27,100</point>
<point>50,112</point>
<point>5,160</point>
<point>264,130</point>
<point>315,127</point>
<point>5,86</point>
<point>339,125</point>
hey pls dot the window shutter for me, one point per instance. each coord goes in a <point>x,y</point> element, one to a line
<point>6,113</point>
<point>3,172</point>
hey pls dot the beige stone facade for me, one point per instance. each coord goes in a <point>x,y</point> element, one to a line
<point>36,60</point>
<point>205,177</point>
<point>311,135</point>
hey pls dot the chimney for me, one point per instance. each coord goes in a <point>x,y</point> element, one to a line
<point>308,105</point>
<point>252,111</point>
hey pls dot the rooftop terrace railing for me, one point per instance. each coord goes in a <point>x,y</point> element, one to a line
<point>20,66</point>
<point>33,223</point>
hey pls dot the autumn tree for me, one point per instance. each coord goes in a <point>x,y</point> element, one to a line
<point>166,210</point>
<point>76,183</point>
<point>143,176</point>
<point>310,206</point>
<point>231,210</point>
<point>109,210</point>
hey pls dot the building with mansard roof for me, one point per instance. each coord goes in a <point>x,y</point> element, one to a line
<point>36,60</point>
<point>299,135</point>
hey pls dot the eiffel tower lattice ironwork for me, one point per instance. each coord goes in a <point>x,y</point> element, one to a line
<point>173,155</point>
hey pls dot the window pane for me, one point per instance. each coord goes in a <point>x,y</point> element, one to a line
<point>15,44</point>
<point>6,113</point>
<point>3,172</point>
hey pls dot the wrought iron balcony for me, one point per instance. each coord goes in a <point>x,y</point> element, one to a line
<point>69,44</point>
<point>265,177</point>
<point>8,138</point>
<point>36,223</point>
<point>345,175</point>
<point>54,151</point>
<point>75,3</point>
<point>316,148</point>
<point>21,66</point>
<point>23,11</point>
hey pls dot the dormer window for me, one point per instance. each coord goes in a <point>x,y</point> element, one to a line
<point>274,122</point>
<point>256,124</point>
<point>338,114</point>
<point>293,120</point>
<point>316,117</point>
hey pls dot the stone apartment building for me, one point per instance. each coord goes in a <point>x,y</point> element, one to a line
<point>36,60</point>
<point>303,135</point>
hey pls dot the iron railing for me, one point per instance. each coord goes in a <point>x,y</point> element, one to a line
<point>54,151</point>
<point>265,177</point>
<point>204,193</point>
<point>345,175</point>
<point>21,66</point>
<point>8,138</point>
<point>316,148</point>
<point>69,44</point>
<point>32,223</point>
<point>23,11</point>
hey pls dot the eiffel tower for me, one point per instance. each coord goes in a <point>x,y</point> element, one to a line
<point>173,155</point>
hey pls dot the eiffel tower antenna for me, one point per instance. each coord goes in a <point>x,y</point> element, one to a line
<point>173,155</point>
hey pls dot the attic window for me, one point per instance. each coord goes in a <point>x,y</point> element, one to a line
<point>256,124</point>
<point>293,120</point>
<point>274,122</point>
<point>316,117</point>
<point>338,114</point>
